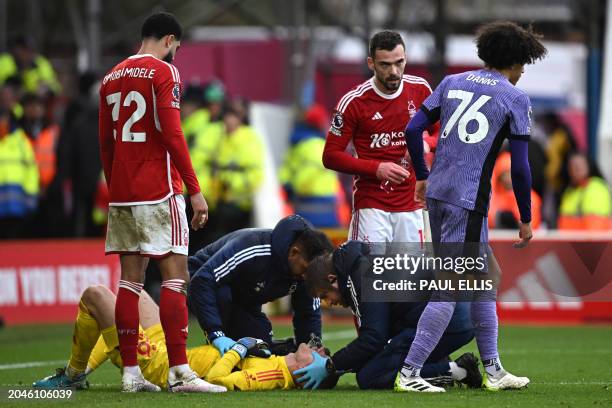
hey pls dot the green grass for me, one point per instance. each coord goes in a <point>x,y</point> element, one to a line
<point>568,367</point>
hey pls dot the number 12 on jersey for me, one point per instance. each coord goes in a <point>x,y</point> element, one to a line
<point>472,113</point>
<point>141,107</point>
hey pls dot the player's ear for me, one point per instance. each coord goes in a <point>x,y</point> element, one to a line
<point>332,278</point>
<point>294,251</point>
<point>371,63</point>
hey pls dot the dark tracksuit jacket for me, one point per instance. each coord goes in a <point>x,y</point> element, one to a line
<point>243,270</point>
<point>379,322</point>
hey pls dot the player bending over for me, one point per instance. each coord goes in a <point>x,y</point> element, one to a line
<point>477,111</point>
<point>95,340</point>
<point>146,161</point>
<point>385,330</point>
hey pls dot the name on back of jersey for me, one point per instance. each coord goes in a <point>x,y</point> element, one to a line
<point>481,80</point>
<point>131,72</point>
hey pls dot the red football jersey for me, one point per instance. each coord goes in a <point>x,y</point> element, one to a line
<point>141,141</point>
<point>375,124</point>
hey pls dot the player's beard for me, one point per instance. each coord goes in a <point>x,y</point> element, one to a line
<point>386,82</point>
<point>169,57</point>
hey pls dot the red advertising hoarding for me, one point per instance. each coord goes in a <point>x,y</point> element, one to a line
<point>42,281</point>
<point>553,280</point>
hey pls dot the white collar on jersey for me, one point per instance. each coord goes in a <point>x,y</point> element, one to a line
<point>141,55</point>
<point>384,95</point>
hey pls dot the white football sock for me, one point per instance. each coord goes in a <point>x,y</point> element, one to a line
<point>133,370</point>
<point>180,369</point>
<point>410,371</point>
<point>493,367</point>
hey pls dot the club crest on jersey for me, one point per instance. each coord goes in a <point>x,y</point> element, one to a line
<point>411,109</point>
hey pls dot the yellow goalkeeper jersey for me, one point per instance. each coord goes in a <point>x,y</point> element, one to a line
<point>254,373</point>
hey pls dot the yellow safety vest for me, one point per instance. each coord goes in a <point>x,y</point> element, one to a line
<point>18,175</point>
<point>586,207</point>
<point>40,73</point>
<point>229,167</point>
<point>194,124</point>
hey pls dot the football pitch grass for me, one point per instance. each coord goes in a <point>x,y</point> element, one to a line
<point>568,367</point>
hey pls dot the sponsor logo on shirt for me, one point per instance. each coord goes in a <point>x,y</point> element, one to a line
<point>384,139</point>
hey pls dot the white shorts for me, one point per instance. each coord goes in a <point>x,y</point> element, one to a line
<point>153,230</point>
<point>378,226</point>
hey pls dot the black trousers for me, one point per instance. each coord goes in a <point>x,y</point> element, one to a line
<point>380,371</point>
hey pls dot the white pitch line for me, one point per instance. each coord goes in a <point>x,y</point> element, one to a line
<point>30,364</point>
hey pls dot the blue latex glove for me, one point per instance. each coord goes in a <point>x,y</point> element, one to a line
<point>223,344</point>
<point>314,373</point>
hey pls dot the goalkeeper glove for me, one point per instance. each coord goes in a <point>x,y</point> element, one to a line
<point>249,346</point>
<point>223,344</point>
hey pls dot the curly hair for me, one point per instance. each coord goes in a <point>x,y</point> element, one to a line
<point>502,44</point>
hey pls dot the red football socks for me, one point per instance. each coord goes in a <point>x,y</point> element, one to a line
<point>126,320</point>
<point>174,320</point>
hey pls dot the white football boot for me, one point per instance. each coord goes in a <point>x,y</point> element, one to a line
<point>190,382</point>
<point>505,381</point>
<point>137,383</point>
<point>414,384</point>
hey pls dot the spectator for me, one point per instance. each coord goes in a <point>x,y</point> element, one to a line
<point>43,135</point>
<point>560,143</point>
<point>585,203</point>
<point>214,97</point>
<point>503,210</point>
<point>34,71</point>
<point>78,161</point>
<point>194,115</point>
<point>18,178</point>
<point>311,188</point>
<point>10,94</point>
<point>228,159</point>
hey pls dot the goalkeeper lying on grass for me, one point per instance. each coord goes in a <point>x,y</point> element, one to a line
<point>248,366</point>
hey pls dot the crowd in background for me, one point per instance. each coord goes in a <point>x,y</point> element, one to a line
<point>51,183</point>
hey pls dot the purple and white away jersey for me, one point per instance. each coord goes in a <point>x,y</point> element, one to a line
<point>477,111</point>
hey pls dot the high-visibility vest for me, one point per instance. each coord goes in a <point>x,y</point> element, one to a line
<point>45,152</point>
<point>586,207</point>
<point>314,188</point>
<point>18,175</point>
<point>194,124</point>
<point>230,168</point>
<point>40,73</point>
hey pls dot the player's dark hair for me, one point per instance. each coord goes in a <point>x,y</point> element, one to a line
<point>384,40</point>
<point>502,44</point>
<point>161,24</point>
<point>316,276</point>
<point>314,243</point>
<point>329,382</point>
